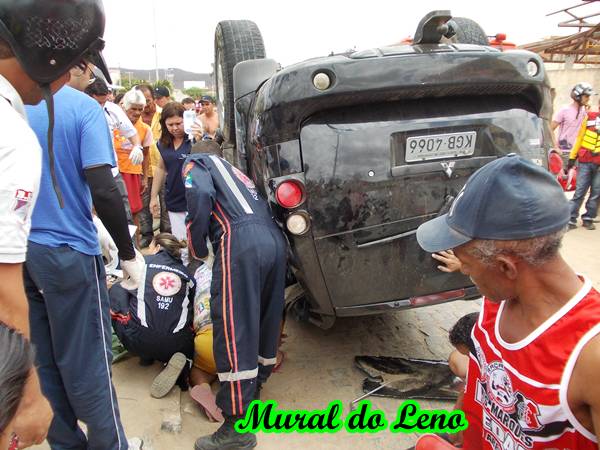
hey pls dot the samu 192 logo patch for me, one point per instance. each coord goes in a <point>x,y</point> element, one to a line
<point>166,284</point>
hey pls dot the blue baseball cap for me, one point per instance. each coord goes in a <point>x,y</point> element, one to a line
<point>508,199</point>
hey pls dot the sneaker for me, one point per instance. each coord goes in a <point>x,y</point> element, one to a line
<point>226,438</point>
<point>572,225</point>
<point>589,225</point>
<point>164,381</point>
<point>135,443</point>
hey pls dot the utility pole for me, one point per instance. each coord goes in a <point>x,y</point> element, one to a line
<point>155,39</point>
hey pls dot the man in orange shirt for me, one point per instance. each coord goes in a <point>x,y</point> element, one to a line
<point>134,170</point>
<point>151,117</point>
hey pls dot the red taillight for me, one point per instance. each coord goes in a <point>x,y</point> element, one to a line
<point>289,194</point>
<point>555,163</point>
<point>432,299</point>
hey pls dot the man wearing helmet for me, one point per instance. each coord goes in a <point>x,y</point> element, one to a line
<point>586,152</point>
<point>40,41</point>
<point>568,120</point>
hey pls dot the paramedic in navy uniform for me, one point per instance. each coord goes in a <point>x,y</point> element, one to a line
<point>248,282</point>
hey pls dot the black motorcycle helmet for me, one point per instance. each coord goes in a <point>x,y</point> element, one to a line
<point>48,37</point>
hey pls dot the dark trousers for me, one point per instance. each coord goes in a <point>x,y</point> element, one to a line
<point>247,300</point>
<point>70,328</point>
<point>145,215</point>
<point>147,343</point>
<point>588,178</point>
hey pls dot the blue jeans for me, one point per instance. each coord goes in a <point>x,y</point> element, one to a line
<point>588,177</point>
<point>70,328</point>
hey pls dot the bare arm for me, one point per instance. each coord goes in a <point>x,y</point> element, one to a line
<point>158,181</point>
<point>583,396</point>
<point>145,168</point>
<point>14,310</point>
<point>135,140</point>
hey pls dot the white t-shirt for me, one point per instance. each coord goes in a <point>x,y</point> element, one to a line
<point>20,169</point>
<point>118,120</point>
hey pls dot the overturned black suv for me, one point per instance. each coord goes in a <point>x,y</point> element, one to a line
<point>356,150</point>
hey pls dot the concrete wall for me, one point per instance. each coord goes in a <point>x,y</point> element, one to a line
<point>563,81</point>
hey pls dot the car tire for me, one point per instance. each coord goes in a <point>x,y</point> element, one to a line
<point>469,32</point>
<point>235,41</point>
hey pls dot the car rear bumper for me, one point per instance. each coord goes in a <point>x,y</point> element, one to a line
<point>468,293</point>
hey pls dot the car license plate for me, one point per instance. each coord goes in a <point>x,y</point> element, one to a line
<point>440,146</point>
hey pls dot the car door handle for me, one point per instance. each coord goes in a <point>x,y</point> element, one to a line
<point>440,166</point>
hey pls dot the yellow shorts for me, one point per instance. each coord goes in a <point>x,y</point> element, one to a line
<point>204,358</point>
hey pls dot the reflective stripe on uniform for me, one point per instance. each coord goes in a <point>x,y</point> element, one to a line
<point>237,376</point>
<point>231,184</point>
<point>111,392</point>
<point>141,305</point>
<point>184,309</point>
<point>267,361</point>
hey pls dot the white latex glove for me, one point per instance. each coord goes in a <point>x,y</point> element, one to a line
<point>136,156</point>
<point>132,271</point>
<point>107,246</point>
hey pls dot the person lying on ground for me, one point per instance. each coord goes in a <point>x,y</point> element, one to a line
<point>204,370</point>
<point>154,321</point>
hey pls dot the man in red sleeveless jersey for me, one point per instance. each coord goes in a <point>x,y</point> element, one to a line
<point>532,382</point>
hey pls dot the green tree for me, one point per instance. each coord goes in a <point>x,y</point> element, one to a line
<point>165,83</point>
<point>196,92</point>
<point>128,84</point>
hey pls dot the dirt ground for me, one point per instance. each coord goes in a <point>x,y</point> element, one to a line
<point>318,368</point>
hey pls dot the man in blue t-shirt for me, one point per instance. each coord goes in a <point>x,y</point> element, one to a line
<point>64,274</point>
